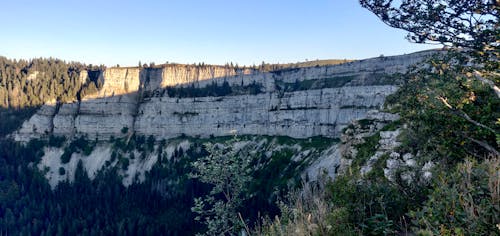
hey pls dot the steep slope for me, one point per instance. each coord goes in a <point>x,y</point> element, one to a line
<point>135,104</point>
<point>298,102</point>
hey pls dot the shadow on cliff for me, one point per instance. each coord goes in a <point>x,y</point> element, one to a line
<point>12,118</point>
<point>128,92</point>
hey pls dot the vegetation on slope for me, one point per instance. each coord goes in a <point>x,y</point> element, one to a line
<point>159,205</point>
<point>27,84</point>
<point>449,111</point>
<point>450,114</point>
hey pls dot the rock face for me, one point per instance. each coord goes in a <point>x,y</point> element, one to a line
<point>325,100</point>
<point>298,114</point>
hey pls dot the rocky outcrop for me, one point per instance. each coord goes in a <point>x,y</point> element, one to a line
<point>173,75</point>
<point>134,98</point>
<point>40,124</point>
<point>301,114</point>
<point>338,159</point>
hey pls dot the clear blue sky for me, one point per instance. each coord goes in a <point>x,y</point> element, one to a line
<point>213,31</point>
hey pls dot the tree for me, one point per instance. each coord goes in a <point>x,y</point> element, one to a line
<point>228,170</point>
<point>470,24</point>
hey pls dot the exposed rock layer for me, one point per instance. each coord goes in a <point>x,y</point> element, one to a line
<point>135,98</point>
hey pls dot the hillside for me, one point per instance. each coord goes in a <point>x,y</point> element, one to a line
<point>149,134</point>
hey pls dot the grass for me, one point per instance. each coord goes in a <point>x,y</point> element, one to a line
<point>377,171</point>
<point>365,123</point>
<point>392,126</point>
<point>366,149</point>
<point>332,82</point>
<point>337,82</point>
<point>317,142</point>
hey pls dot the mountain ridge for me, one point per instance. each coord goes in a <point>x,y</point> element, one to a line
<point>332,95</point>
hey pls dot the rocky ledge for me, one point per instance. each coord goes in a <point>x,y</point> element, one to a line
<point>298,102</point>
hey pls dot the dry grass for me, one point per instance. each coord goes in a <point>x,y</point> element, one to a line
<point>306,212</point>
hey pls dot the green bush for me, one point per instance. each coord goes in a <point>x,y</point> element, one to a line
<point>373,205</point>
<point>56,141</point>
<point>66,156</point>
<point>366,150</point>
<point>125,162</point>
<point>79,145</point>
<point>307,212</point>
<point>448,115</point>
<point>62,171</point>
<point>378,224</point>
<point>124,130</point>
<point>464,201</point>
<point>150,143</point>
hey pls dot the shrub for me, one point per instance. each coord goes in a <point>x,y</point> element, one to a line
<point>150,143</point>
<point>62,171</point>
<point>56,141</point>
<point>366,149</point>
<point>228,171</point>
<point>66,156</point>
<point>125,162</point>
<point>124,130</point>
<point>307,212</point>
<point>464,201</point>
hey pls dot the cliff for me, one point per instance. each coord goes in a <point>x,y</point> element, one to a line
<point>297,102</point>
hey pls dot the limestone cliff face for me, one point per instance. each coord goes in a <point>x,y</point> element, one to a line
<point>119,81</point>
<point>298,114</point>
<point>135,98</point>
<point>184,74</point>
<point>39,124</point>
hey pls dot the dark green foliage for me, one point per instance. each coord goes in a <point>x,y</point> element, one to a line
<point>210,90</point>
<point>465,200</point>
<point>276,173</point>
<point>316,142</point>
<point>11,119</point>
<point>99,206</point>
<point>82,145</point>
<point>337,82</point>
<point>27,84</point>
<point>62,171</point>
<point>435,130</point>
<point>314,84</point>
<point>377,225</point>
<point>119,144</point>
<point>66,156</point>
<point>113,156</point>
<point>365,123</point>
<point>79,145</point>
<point>471,24</point>
<point>376,206</point>
<point>366,149</point>
<point>56,141</point>
<point>214,90</point>
<point>252,89</point>
<point>31,83</point>
<point>451,111</point>
<point>158,206</point>
<point>150,143</point>
<point>124,162</point>
<point>124,130</point>
<point>135,142</point>
<point>89,88</point>
<point>392,126</point>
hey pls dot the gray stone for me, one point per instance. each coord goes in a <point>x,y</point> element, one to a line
<point>300,114</point>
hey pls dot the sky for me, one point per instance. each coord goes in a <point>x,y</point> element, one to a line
<point>247,32</point>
